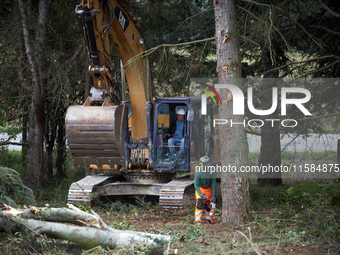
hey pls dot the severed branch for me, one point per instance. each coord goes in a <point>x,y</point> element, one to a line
<point>63,215</point>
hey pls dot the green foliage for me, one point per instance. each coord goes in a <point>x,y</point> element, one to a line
<point>314,207</point>
<point>121,225</point>
<point>142,248</point>
<point>323,213</point>
<point>11,131</point>
<point>265,197</point>
<point>12,188</point>
<point>11,159</point>
<point>305,211</point>
<point>193,231</point>
<point>84,208</point>
<point>48,209</point>
<point>294,236</point>
<point>55,193</point>
<point>119,206</point>
<point>142,203</point>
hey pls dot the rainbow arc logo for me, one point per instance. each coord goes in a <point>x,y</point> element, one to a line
<point>204,97</point>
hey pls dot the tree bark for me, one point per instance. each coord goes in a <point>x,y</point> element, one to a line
<point>34,173</point>
<point>270,151</point>
<point>92,233</point>
<point>61,145</point>
<point>235,191</point>
<point>24,141</point>
<point>92,237</point>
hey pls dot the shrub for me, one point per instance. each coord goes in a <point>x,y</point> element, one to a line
<point>12,188</point>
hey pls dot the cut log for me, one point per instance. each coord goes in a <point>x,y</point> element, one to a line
<point>92,237</point>
<point>93,232</point>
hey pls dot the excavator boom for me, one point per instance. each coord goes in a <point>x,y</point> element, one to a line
<point>97,130</point>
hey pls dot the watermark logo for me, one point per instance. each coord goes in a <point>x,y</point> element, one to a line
<point>238,102</point>
<point>281,97</point>
<point>204,97</point>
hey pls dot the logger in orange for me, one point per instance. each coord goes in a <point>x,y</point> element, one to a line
<point>205,186</point>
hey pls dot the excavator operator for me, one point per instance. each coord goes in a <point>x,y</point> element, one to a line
<point>205,191</point>
<point>176,131</point>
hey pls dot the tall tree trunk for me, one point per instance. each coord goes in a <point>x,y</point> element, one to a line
<point>24,141</point>
<point>60,147</point>
<point>235,191</point>
<point>34,174</point>
<point>50,135</point>
<point>41,37</point>
<point>270,152</point>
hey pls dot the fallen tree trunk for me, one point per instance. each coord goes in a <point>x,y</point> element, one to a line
<point>92,237</point>
<point>46,221</point>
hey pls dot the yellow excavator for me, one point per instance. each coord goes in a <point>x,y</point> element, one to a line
<point>121,144</point>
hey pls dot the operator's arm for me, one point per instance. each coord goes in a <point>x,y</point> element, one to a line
<point>171,130</point>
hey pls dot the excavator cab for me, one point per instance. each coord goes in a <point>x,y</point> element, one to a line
<point>171,153</point>
<point>198,136</point>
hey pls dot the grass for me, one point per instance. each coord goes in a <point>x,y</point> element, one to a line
<point>55,193</point>
<point>11,159</point>
<point>268,197</point>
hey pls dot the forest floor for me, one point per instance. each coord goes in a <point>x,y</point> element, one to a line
<point>266,234</point>
<point>295,218</point>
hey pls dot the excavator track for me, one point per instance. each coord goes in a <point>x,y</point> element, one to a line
<point>177,193</point>
<point>81,190</point>
<point>174,194</point>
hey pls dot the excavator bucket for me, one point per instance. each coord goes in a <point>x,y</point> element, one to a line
<point>95,135</point>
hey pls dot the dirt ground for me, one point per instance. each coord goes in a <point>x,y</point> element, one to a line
<point>219,238</point>
<point>260,236</point>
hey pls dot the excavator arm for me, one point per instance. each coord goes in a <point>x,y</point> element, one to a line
<point>97,131</point>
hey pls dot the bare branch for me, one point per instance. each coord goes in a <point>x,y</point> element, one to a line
<point>75,55</point>
<point>12,143</point>
<point>329,10</point>
<point>320,69</point>
<point>18,116</point>
<point>326,29</point>
<point>305,61</point>
<point>21,77</point>
<point>321,117</point>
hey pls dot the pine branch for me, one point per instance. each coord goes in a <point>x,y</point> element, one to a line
<point>326,29</point>
<point>13,143</point>
<point>150,51</point>
<point>305,61</point>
